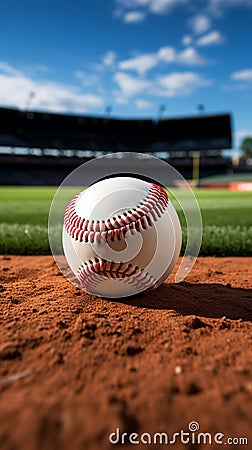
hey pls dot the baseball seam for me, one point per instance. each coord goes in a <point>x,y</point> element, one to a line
<point>150,208</point>
<point>92,273</point>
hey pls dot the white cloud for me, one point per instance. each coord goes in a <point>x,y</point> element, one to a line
<point>157,6</point>
<point>9,70</point>
<point>190,57</point>
<point>186,40</point>
<point>212,38</point>
<point>143,104</point>
<point>141,64</point>
<point>174,84</point>
<point>15,87</point>
<point>242,75</point>
<point>130,86</point>
<point>165,55</point>
<point>242,79</point>
<point>200,23</point>
<point>108,59</point>
<point>181,83</point>
<point>134,16</point>
<point>135,11</point>
<point>161,6</point>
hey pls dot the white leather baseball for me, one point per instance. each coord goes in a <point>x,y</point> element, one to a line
<point>121,236</point>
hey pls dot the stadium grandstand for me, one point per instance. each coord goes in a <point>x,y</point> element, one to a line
<point>38,148</point>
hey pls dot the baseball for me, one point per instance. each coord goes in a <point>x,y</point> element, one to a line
<point>121,236</point>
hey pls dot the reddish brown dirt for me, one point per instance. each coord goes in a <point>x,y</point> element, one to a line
<point>74,367</point>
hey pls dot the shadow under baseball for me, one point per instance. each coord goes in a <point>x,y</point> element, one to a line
<point>205,300</point>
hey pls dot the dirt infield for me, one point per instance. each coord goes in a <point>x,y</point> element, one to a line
<point>74,368</point>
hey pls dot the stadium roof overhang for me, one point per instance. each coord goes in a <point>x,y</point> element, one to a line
<point>59,131</point>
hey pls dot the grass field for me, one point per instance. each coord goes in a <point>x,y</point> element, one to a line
<point>226,215</point>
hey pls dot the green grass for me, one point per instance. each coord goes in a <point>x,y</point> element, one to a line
<point>227,222</point>
<point>25,205</point>
<point>23,239</point>
<point>226,215</point>
<point>224,207</point>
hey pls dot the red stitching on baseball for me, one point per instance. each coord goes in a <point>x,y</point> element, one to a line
<point>92,273</point>
<point>152,207</point>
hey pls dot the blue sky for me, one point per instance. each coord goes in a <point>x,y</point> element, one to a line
<point>131,55</point>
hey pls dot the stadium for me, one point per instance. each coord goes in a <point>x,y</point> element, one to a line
<point>170,365</point>
<point>47,146</point>
<point>40,150</point>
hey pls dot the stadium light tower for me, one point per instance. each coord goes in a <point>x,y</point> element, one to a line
<point>108,110</point>
<point>201,108</point>
<point>161,111</point>
<point>30,98</point>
